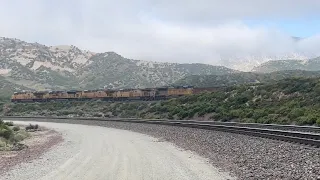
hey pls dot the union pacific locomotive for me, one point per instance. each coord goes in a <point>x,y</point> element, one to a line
<point>146,94</point>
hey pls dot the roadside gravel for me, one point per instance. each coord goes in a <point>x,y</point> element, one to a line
<point>92,152</point>
<point>244,156</point>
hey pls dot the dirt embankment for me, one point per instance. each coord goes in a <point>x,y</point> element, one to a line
<point>38,143</point>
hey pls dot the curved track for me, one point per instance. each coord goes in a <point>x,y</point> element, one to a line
<point>307,135</point>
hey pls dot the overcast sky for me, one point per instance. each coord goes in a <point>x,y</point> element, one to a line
<point>205,31</point>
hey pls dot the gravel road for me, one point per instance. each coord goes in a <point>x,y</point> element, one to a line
<point>245,157</point>
<point>92,152</point>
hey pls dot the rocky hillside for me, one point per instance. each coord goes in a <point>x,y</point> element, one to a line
<point>42,67</point>
<point>115,71</point>
<point>279,65</point>
<point>243,78</point>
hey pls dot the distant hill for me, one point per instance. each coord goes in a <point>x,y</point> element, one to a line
<point>280,65</point>
<point>243,78</point>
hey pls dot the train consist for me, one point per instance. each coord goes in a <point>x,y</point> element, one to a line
<point>147,94</point>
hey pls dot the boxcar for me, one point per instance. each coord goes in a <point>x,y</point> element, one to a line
<point>179,91</point>
<point>142,94</point>
<point>161,93</point>
<point>122,94</point>
<point>22,97</point>
<point>201,90</point>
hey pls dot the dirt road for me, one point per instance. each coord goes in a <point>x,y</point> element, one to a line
<point>94,153</point>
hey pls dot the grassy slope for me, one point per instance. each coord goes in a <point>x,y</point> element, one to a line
<point>288,101</point>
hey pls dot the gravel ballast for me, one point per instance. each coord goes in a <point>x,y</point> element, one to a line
<point>244,156</point>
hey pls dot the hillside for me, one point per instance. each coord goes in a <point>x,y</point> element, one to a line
<point>6,88</point>
<point>289,101</point>
<point>42,67</point>
<point>243,78</point>
<point>280,65</point>
<point>115,71</point>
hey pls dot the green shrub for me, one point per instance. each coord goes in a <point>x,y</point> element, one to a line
<point>259,113</point>
<point>9,123</point>
<point>183,114</point>
<point>21,135</point>
<point>296,112</point>
<point>2,143</point>
<point>97,115</point>
<point>264,120</point>
<point>303,120</point>
<point>318,122</point>
<point>6,133</point>
<point>32,127</point>
<point>16,128</point>
<point>170,116</point>
<point>282,120</point>
<point>247,120</point>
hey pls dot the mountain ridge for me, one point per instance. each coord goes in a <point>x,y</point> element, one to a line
<point>44,67</point>
<point>41,67</point>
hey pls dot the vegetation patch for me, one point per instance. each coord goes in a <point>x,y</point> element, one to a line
<point>10,136</point>
<point>288,101</point>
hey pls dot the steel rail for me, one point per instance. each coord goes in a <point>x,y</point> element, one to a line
<point>307,138</point>
<point>312,129</point>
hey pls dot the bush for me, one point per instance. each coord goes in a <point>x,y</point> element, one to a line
<point>264,120</point>
<point>318,122</point>
<point>8,123</point>
<point>170,116</point>
<point>32,127</point>
<point>16,128</point>
<point>304,120</point>
<point>2,143</point>
<point>296,112</point>
<point>97,115</point>
<point>259,113</point>
<point>6,133</point>
<point>247,120</point>
<point>21,135</point>
<point>183,114</point>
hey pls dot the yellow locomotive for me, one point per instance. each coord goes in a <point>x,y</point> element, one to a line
<point>108,95</point>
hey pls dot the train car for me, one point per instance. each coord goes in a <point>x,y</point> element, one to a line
<point>40,96</point>
<point>142,94</point>
<point>203,90</point>
<point>110,95</point>
<point>161,93</point>
<point>122,94</point>
<point>74,95</point>
<point>22,97</point>
<point>148,94</point>
<point>87,94</point>
<point>104,95</point>
<point>180,91</point>
<point>57,96</point>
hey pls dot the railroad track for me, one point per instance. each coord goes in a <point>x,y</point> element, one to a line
<point>307,135</point>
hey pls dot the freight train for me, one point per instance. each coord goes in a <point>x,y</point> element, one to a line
<point>147,94</point>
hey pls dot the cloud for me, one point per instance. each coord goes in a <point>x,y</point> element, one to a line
<point>205,31</point>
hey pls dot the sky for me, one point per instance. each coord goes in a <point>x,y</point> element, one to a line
<point>218,32</point>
